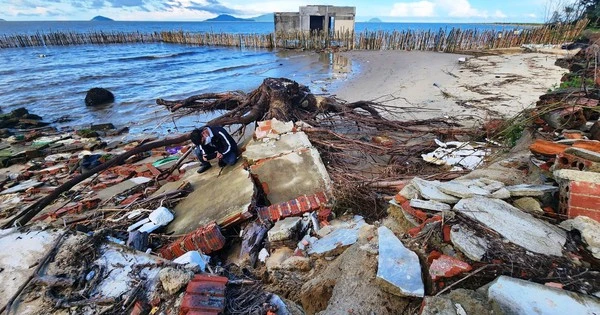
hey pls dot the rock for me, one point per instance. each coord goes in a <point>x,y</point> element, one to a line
<point>277,258</point>
<point>429,205</point>
<point>465,240</point>
<point>98,96</point>
<point>399,270</point>
<point>193,257</point>
<point>516,296</point>
<point>336,241</point>
<point>429,190</point>
<point>515,225</point>
<point>447,267</point>
<point>409,192</point>
<point>528,204</point>
<point>457,302</point>
<point>590,232</point>
<point>284,229</point>
<point>501,193</point>
<point>525,190</point>
<point>296,263</point>
<point>173,279</point>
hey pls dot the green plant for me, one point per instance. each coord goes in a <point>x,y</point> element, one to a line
<point>576,82</point>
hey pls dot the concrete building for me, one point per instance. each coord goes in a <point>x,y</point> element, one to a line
<point>325,18</point>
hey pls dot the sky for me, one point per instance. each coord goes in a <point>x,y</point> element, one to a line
<point>458,11</point>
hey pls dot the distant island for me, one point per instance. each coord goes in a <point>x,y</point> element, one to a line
<point>375,20</point>
<point>228,18</point>
<point>269,17</point>
<point>2,20</point>
<point>101,18</point>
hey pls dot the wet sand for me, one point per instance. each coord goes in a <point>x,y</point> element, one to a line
<point>422,85</point>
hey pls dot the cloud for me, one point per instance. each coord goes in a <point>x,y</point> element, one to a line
<point>460,8</point>
<point>213,6</point>
<point>126,3</point>
<point>499,14</point>
<point>532,15</point>
<point>413,9</point>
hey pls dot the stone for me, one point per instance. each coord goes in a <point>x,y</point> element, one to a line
<point>430,190</point>
<point>296,263</point>
<point>529,204</point>
<point>429,205</point>
<point>501,193</point>
<point>284,229</point>
<point>98,96</point>
<point>456,189</point>
<point>447,267</point>
<point>515,225</point>
<point>399,270</point>
<point>277,258</point>
<point>335,242</point>
<point>590,232</point>
<point>516,296</point>
<point>409,192</point>
<point>526,190</point>
<point>173,280</point>
<point>465,240</point>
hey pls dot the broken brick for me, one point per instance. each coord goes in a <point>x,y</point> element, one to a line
<point>447,267</point>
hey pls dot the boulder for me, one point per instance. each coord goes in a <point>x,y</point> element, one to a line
<point>98,96</point>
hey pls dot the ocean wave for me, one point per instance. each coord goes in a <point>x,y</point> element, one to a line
<point>153,57</point>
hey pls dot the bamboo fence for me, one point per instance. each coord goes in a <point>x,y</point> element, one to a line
<point>445,40</point>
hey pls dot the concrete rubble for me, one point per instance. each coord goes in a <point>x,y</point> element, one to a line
<point>150,235</point>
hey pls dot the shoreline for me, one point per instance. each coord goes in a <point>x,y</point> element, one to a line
<point>426,85</point>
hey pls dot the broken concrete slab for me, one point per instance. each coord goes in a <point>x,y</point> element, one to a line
<point>525,190</point>
<point>529,204</point>
<point>515,225</point>
<point>340,238</point>
<point>465,240</point>
<point>121,187</point>
<point>590,232</point>
<point>223,197</point>
<point>19,252</point>
<point>501,193</point>
<point>284,229</point>
<point>429,205</point>
<point>516,296</point>
<point>258,150</point>
<point>286,177</point>
<point>457,189</point>
<point>409,191</point>
<point>399,270</point>
<point>23,186</point>
<point>430,190</point>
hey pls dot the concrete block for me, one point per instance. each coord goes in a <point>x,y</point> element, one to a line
<point>501,193</point>
<point>430,190</point>
<point>525,190</point>
<point>429,205</point>
<point>284,229</point>
<point>516,296</point>
<point>515,225</point>
<point>398,270</point>
<point>465,240</point>
<point>590,232</point>
<point>579,193</point>
<point>258,150</point>
<point>344,235</point>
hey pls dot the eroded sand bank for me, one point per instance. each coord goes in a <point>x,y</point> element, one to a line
<point>422,85</point>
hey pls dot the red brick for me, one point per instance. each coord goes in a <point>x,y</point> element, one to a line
<point>592,214</point>
<point>205,294</point>
<point>583,201</point>
<point>447,267</point>
<point>584,188</point>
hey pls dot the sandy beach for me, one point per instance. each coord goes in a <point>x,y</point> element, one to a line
<point>422,85</point>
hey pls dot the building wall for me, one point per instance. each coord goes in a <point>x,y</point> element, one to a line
<point>287,22</point>
<point>341,25</point>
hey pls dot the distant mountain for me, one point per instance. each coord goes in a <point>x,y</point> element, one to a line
<point>269,17</point>
<point>2,20</point>
<point>374,20</point>
<point>101,18</point>
<point>227,18</point>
